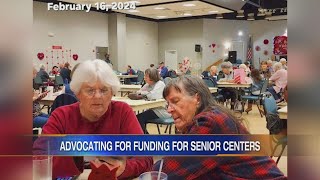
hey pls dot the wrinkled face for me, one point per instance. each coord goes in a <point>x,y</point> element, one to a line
<point>226,70</point>
<point>182,107</point>
<point>147,79</point>
<point>94,99</point>
<point>213,72</point>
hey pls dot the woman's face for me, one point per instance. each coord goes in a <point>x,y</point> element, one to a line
<point>264,66</point>
<point>94,99</point>
<point>226,70</point>
<point>182,107</point>
<point>147,79</point>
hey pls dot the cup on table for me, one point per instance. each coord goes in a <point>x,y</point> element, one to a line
<point>42,167</point>
<point>153,175</point>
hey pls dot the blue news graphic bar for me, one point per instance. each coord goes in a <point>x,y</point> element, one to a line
<point>146,145</point>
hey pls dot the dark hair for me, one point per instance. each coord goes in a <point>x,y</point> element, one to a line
<point>66,65</point>
<point>161,62</point>
<point>255,74</point>
<point>153,74</point>
<point>263,62</point>
<point>129,66</point>
<point>193,85</point>
<point>54,67</point>
<point>151,65</point>
<point>246,63</point>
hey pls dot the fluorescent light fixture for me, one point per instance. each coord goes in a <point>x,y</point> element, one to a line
<point>240,33</point>
<point>160,17</point>
<point>133,11</point>
<point>189,5</point>
<point>159,8</point>
<point>187,14</point>
<point>240,14</point>
<point>219,16</point>
<point>213,11</point>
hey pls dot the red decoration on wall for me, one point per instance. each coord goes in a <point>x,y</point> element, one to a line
<point>75,57</point>
<point>56,47</point>
<point>265,52</point>
<point>280,45</point>
<point>258,48</point>
<point>40,56</point>
<point>266,41</point>
<point>213,51</point>
<point>213,45</point>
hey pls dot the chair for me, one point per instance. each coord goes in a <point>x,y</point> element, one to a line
<point>62,100</point>
<point>256,98</point>
<point>162,121</point>
<point>270,107</point>
<point>140,78</point>
<point>210,83</point>
<point>167,80</point>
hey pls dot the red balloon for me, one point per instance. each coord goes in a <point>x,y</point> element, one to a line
<point>258,48</point>
<point>266,41</point>
<point>75,57</point>
<point>40,56</point>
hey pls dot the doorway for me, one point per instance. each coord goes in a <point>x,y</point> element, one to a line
<point>171,59</point>
<point>100,52</point>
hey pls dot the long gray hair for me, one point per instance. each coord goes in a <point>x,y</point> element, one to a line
<point>193,85</point>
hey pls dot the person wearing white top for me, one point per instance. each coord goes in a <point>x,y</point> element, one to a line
<point>152,90</point>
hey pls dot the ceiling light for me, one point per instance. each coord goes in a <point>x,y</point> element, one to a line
<point>251,17</point>
<point>133,11</point>
<point>219,16</point>
<point>240,33</point>
<point>240,14</point>
<point>187,14</point>
<point>213,11</point>
<point>159,8</point>
<point>227,45</point>
<point>189,5</point>
<point>160,17</point>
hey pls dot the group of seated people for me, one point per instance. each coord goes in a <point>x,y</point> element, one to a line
<point>191,106</point>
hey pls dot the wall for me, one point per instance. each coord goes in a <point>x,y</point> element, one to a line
<point>75,30</point>
<point>218,32</point>
<point>141,44</point>
<point>181,36</point>
<point>262,30</point>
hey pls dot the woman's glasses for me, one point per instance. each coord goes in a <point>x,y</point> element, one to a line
<point>91,92</point>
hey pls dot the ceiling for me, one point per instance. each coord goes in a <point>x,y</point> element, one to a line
<point>165,10</point>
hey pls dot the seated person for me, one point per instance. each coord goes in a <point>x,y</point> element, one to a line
<point>264,71</point>
<point>270,68</point>
<point>283,61</point>
<point>54,71</point>
<point>43,74</point>
<point>39,118</point>
<point>180,71</point>
<point>130,71</point>
<point>228,93</point>
<point>152,90</point>
<point>163,70</point>
<point>256,86</point>
<point>279,78</point>
<point>95,113</point>
<point>195,112</point>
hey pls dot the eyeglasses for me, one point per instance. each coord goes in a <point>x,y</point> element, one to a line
<point>91,92</point>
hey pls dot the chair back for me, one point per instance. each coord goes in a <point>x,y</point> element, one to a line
<point>58,81</point>
<point>167,80</point>
<point>269,103</point>
<point>38,80</point>
<point>209,82</point>
<point>264,86</point>
<point>140,77</point>
<point>62,100</point>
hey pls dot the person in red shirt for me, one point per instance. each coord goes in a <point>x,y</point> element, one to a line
<point>195,112</point>
<point>96,113</point>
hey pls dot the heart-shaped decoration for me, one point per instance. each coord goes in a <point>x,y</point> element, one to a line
<point>75,57</point>
<point>40,56</point>
<point>213,45</point>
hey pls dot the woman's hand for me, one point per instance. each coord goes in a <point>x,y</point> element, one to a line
<point>112,163</point>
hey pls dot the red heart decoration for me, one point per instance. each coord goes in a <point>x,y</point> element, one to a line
<point>257,48</point>
<point>266,41</point>
<point>75,57</point>
<point>40,56</point>
<point>213,45</point>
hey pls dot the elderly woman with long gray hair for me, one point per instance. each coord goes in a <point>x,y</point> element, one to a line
<point>195,112</point>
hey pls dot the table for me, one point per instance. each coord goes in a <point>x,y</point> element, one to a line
<point>232,85</point>
<point>127,76</point>
<point>48,100</point>
<point>283,112</point>
<point>139,105</point>
<point>213,89</point>
<point>125,88</point>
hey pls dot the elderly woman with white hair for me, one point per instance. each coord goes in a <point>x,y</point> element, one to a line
<point>283,61</point>
<point>94,83</point>
<point>279,78</point>
<point>43,74</point>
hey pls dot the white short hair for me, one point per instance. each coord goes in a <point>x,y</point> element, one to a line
<point>283,60</point>
<point>269,61</point>
<point>243,66</point>
<point>91,71</point>
<point>226,65</point>
<point>42,67</point>
<point>213,67</point>
<point>277,66</point>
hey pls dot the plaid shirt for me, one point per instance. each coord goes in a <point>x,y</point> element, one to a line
<point>235,168</point>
